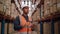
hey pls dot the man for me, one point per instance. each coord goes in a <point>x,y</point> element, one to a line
<point>25,22</point>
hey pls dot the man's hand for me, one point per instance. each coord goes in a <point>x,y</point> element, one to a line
<point>29,24</point>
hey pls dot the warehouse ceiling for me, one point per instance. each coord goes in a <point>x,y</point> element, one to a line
<point>31,3</point>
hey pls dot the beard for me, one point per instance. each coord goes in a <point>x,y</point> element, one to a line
<point>25,12</point>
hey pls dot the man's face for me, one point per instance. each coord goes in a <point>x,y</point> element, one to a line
<point>26,10</point>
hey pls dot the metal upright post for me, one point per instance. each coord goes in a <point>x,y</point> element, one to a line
<point>3,19</point>
<point>2,26</point>
<point>52,26</point>
<point>41,28</point>
<point>59,27</point>
<point>41,24</point>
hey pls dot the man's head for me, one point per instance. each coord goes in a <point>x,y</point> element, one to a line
<point>25,9</point>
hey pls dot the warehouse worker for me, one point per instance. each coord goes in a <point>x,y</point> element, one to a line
<point>24,25</point>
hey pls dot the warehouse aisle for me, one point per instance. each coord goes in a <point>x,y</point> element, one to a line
<point>45,15</point>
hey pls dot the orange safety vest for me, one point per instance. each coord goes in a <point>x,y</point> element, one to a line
<point>23,23</point>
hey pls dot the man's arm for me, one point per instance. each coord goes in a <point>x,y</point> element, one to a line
<point>17,24</point>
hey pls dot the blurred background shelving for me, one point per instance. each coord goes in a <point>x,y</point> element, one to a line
<point>46,9</point>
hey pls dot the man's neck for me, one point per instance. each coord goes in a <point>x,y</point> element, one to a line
<point>25,14</point>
